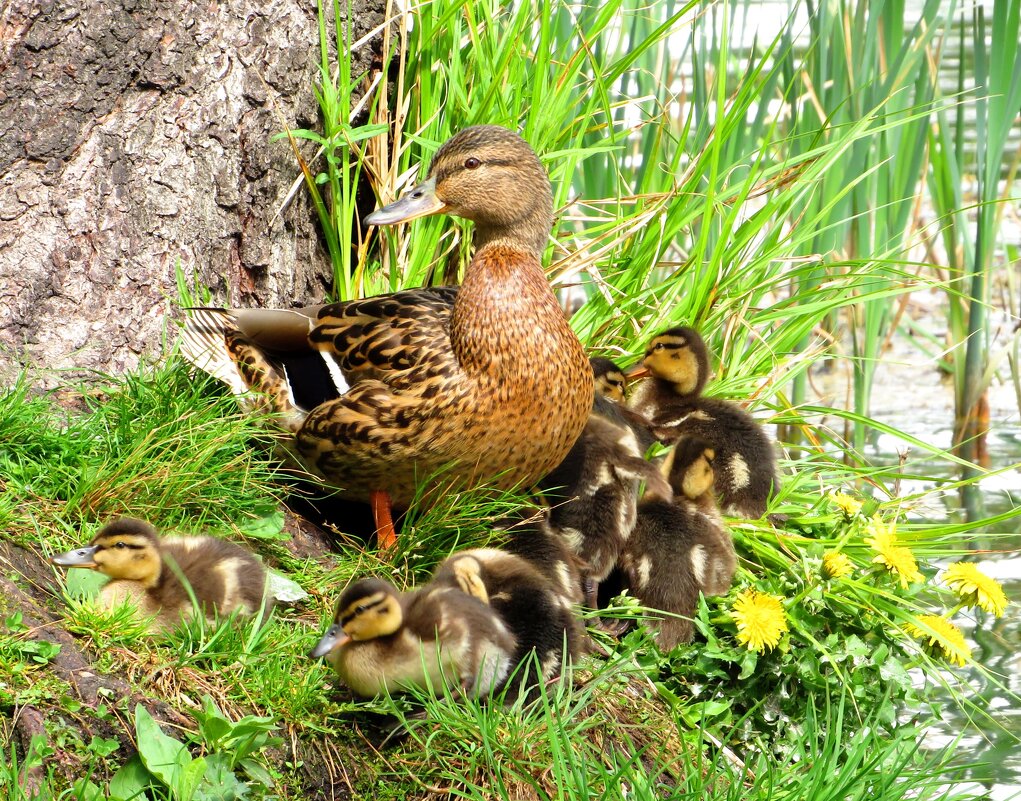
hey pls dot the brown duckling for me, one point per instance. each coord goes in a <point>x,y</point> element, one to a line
<point>530,537</point>
<point>536,611</point>
<point>594,493</point>
<point>679,549</point>
<point>458,382</point>
<point>157,573</point>
<point>672,401</point>
<point>434,637</point>
<point>609,377</point>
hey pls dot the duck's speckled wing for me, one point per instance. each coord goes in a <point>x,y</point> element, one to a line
<point>401,339</point>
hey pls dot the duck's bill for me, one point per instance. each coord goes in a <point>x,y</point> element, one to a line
<point>419,202</point>
<point>80,557</point>
<point>330,641</point>
<point>636,372</point>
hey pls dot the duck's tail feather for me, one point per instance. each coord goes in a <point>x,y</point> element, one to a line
<point>289,383</point>
<point>204,345</point>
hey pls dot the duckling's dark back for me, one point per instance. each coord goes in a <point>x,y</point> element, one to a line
<point>675,552</point>
<point>745,463</point>
<point>530,605</point>
<point>223,576</point>
<point>595,508</point>
<point>530,538</point>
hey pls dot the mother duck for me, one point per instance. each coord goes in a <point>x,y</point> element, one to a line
<point>486,382</point>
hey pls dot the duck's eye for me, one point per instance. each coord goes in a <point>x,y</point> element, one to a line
<point>658,346</point>
<point>361,609</point>
<point>471,163</point>
<point>120,544</point>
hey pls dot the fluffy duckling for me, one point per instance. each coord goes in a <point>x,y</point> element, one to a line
<point>609,377</point>
<point>435,636</point>
<point>536,610</point>
<point>157,572</point>
<point>672,400</point>
<point>594,492</point>
<point>680,549</point>
<point>530,537</point>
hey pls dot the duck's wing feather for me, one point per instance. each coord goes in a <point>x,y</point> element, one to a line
<point>397,339</point>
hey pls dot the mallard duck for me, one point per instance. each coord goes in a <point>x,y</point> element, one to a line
<point>533,608</point>
<point>485,382</point>
<point>434,637</point>
<point>679,549</point>
<point>156,573</point>
<point>671,399</point>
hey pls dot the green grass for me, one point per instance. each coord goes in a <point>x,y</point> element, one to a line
<point>655,723</point>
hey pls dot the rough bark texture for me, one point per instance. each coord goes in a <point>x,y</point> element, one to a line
<point>135,134</point>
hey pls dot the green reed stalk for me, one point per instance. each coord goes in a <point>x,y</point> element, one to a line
<point>997,78</point>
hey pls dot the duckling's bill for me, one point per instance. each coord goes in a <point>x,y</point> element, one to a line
<point>333,638</point>
<point>419,202</point>
<point>638,371</point>
<point>79,557</point>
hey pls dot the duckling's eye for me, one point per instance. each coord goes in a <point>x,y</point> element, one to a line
<point>658,346</point>
<point>471,163</point>
<point>361,610</point>
<point>120,544</point>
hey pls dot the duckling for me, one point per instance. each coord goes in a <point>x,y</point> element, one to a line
<point>680,549</point>
<point>609,378</point>
<point>536,610</point>
<point>672,400</point>
<point>530,537</point>
<point>157,573</point>
<point>593,493</point>
<point>436,636</point>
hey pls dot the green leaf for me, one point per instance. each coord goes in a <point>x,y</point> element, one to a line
<point>219,782</point>
<point>268,527</point>
<point>85,790</point>
<point>189,777</point>
<point>256,772</point>
<point>84,583</point>
<point>166,758</point>
<point>102,746</point>
<point>130,782</point>
<point>748,662</point>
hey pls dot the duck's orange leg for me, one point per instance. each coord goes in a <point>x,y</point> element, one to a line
<point>386,534</point>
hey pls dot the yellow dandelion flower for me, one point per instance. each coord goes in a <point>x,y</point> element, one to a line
<point>881,533</point>
<point>760,620</point>
<point>895,558</point>
<point>848,505</point>
<point>942,637</point>
<point>837,565</point>
<point>975,588</point>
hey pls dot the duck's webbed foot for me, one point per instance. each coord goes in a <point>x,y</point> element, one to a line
<point>615,627</point>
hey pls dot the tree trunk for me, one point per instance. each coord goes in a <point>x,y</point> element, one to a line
<point>135,136</point>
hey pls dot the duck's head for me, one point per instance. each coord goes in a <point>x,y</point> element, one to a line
<point>487,174</point>
<point>368,609</point>
<point>679,356</point>
<point>609,378</point>
<point>697,460</point>
<point>124,549</point>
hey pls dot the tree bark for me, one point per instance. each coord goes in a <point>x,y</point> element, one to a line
<point>135,136</point>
